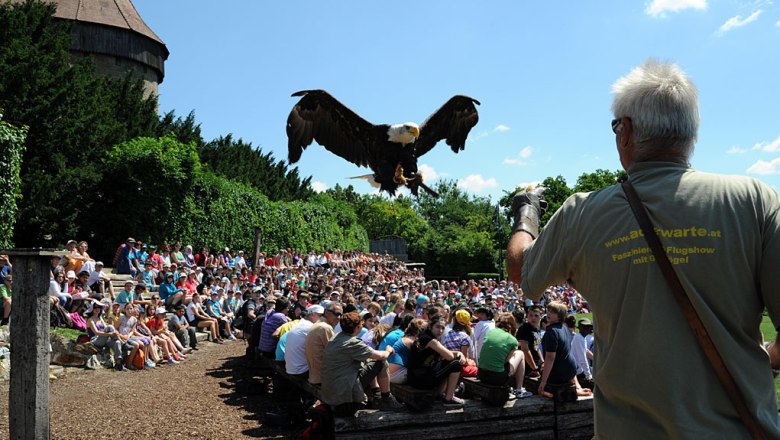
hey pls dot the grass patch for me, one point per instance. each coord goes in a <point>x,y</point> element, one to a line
<point>67,333</point>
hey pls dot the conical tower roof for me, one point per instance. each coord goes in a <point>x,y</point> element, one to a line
<point>116,13</point>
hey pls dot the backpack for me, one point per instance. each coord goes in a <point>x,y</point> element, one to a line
<point>321,426</point>
<point>59,317</point>
<point>139,359</point>
<point>78,322</point>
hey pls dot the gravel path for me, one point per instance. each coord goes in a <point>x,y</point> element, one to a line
<point>193,400</point>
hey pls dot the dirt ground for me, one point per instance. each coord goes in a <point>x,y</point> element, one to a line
<point>211,395</point>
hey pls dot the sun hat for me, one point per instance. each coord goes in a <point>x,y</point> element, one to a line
<point>160,311</point>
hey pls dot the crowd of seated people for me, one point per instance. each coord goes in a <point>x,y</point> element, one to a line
<point>292,304</point>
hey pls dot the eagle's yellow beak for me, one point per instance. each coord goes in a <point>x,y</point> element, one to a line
<point>415,131</point>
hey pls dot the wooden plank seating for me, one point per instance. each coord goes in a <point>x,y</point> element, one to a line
<point>531,418</point>
<point>492,394</point>
<point>417,399</point>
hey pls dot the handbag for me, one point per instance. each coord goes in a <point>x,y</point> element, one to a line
<point>695,322</point>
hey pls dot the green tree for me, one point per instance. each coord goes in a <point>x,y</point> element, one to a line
<point>11,149</point>
<point>145,189</point>
<point>598,179</point>
<point>74,116</point>
<point>460,237</point>
<point>239,161</point>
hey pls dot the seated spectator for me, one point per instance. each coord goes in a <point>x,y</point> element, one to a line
<point>150,347</point>
<point>130,336</point>
<point>83,285</point>
<point>155,258</point>
<point>126,295</point>
<point>102,335</point>
<point>214,311</point>
<point>295,351</point>
<point>485,323</point>
<point>99,282</point>
<point>317,339</point>
<point>500,360</point>
<point>5,267</point>
<point>369,321</point>
<point>188,259</point>
<point>5,298</point>
<point>138,295</point>
<point>159,329</point>
<point>169,293</point>
<point>55,290</point>
<point>459,339</point>
<point>198,318</point>
<point>178,325</point>
<point>125,262</point>
<point>430,365</point>
<point>582,354</point>
<point>560,368</point>
<point>147,276</point>
<point>397,308</point>
<point>399,360</point>
<point>273,320</point>
<point>349,367</point>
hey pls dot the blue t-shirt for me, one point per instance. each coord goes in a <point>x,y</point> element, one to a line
<point>557,339</point>
<point>401,355</point>
<point>124,297</point>
<point>280,347</point>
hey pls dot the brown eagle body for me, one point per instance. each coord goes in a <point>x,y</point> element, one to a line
<point>391,151</point>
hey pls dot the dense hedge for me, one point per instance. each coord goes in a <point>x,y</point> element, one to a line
<point>11,149</point>
<point>158,191</point>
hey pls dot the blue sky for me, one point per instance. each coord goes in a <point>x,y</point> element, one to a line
<point>542,70</point>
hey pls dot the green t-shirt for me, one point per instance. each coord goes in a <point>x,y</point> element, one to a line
<point>5,292</point>
<point>722,235</point>
<point>497,346</point>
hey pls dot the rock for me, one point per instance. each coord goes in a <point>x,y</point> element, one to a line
<point>93,362</point>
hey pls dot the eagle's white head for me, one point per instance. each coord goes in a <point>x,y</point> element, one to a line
<point>403,133</point>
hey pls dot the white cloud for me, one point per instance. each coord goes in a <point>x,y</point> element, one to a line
<point>763,167</point>
<point>777,24</point>
<point>525,153</point>
<point>477,183</point>
<point>501,128</point>
<point>659,8</point>
<point>429,174</point>
<point>738,21</point>
<point>318,187</point>
<point>736,150</point>
<point>768,146</point>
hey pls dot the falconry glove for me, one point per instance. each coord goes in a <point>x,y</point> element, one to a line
<point>527,208</point>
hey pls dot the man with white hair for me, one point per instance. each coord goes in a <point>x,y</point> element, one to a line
<point>722,236</point>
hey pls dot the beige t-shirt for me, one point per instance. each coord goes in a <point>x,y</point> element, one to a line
<point>318,337</point>
<point>722,235</point>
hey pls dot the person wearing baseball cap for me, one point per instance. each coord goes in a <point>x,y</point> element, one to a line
<point>295,350</point>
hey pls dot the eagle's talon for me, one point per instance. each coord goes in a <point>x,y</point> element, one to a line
<point>399,176</point>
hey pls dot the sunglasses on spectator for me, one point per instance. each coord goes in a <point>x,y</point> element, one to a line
<point>155,297</point>
<point>336,314</point>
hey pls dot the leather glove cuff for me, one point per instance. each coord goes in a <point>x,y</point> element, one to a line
<point>527,219</point>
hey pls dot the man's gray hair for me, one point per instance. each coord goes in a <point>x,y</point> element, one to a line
<point>663,106</point>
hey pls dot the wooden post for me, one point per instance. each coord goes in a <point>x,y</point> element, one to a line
<point>28,397</point>
<point>258,240</point>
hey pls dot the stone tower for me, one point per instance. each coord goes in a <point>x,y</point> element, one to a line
<point>115,36</point>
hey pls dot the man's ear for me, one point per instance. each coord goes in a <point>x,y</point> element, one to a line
<point>626,132</point>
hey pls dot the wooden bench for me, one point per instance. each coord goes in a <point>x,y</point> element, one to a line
<point>560,393</point>
<point>417,399</point>
<point>496,395</point>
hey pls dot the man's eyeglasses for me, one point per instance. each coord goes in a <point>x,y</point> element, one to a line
<point>617,125</point>
<point>336,314</point>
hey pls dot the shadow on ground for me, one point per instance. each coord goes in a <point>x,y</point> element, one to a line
<point>249,387</point>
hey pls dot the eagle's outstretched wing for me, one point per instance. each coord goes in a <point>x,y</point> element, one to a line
<point>320,117</point>
<point>452,122</point>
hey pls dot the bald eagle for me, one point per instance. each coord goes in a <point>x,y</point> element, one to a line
<point>391,151</point>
